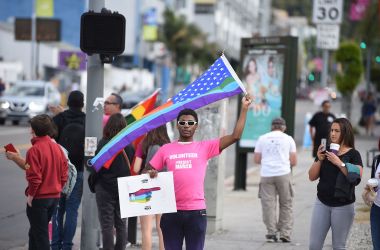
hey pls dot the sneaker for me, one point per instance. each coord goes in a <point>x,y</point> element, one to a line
<point>271,238</point>
<point>285,239</point>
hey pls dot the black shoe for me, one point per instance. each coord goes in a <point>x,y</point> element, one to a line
<point>285,239</point>
<point>271,238</point>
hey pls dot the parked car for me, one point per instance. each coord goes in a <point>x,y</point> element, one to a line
<point>26,99</point>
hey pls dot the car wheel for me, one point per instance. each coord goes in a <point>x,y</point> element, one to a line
<point>15,122</point>
<point>2,121</point>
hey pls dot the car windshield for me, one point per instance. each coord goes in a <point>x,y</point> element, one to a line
<point>23,90</point>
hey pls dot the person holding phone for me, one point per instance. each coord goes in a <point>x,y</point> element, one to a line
<point>46,173</point>
<point>338,174</point>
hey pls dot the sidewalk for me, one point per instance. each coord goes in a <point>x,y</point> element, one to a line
<point>243,227</point>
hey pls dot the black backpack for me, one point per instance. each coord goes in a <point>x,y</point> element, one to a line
<point>72,139</point>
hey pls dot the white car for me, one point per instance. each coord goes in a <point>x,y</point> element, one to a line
<point>27,99</point>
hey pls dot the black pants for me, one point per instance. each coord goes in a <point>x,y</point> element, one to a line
<point>39,216</point>
<point>189,225</point>
<point>109,217</point>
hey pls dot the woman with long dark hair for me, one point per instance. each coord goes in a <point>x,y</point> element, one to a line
<point>339,169</point>
<point>107,195</point>
<point>144,153</point>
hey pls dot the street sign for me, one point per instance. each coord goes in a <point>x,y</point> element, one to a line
<point>328,36</point>
<point>327,11</point>
<point>47,30</point>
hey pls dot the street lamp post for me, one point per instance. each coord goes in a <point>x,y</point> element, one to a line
<point>90,236</point>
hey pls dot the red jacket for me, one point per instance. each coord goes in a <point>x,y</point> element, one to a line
<point>48,169</point>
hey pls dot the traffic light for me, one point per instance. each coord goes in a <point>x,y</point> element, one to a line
<point>363,45</point>
<point>311,77</point>
<point>377,59</point>
<point>102,33</point>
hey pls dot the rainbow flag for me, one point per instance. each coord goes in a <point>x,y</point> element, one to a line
<point>142,108</point>
<point>218,82</point>
<point>138,111</point>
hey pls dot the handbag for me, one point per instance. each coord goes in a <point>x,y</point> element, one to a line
<point>92,178</point>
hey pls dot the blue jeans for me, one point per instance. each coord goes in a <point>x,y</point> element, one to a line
<point>63,232</point>
<point>375,226</point>
<point>190,225</point>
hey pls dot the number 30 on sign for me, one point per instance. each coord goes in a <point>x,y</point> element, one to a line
<point>327,11</point>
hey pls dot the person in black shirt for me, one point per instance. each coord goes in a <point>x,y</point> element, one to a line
<point>106,190</point>
<point>70,134</point>
<point>334,206</point>
<point>320,125</point>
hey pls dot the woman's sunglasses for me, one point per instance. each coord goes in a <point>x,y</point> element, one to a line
<point>188,123</point>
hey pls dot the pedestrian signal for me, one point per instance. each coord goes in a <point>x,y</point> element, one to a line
<point>102,33</point>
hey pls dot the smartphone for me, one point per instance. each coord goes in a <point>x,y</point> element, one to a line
<point>323,143</point>
<point>9,147</point>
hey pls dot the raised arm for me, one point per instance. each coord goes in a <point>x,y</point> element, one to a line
<point>227,140</point>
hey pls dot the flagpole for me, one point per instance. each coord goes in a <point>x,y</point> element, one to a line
<point>233,73</point>
<point>33,42</point>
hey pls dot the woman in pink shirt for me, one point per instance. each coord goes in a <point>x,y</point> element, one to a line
<point>154,139</point>
<point>187,159</point>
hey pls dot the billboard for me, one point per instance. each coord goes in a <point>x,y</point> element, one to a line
<point>263,71</point>
<point>268,70</point>
<point>47,30</point>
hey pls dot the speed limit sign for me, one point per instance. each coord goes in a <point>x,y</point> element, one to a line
<point>327,11</point>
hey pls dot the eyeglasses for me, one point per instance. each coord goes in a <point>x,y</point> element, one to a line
<point>188,123</point>
<point>109,103</point>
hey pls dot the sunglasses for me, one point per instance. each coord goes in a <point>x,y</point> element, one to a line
<point>109,103</point>
<point>188,123</point>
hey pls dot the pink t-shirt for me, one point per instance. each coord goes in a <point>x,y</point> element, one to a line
<point>188,163</point>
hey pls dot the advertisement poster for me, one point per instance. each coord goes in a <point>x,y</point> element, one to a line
<point>142,195</point>
<point>262,74</point>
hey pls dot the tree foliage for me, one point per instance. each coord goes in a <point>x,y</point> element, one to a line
<point>349,57</point>
<point>368,29</point>
<point>186,42</point>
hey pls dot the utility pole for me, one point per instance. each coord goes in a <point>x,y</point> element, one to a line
<point>33,43</point>
<point>265,16</point>
<point>368,70</point>
<point>90,239</point>
<point>325,69</point>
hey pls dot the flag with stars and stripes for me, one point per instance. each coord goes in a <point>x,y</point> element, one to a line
<point>218,82</point>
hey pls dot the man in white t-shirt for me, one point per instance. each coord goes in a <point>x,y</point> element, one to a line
<point>276,152</point>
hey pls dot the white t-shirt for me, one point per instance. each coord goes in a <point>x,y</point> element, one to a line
<point>377,200</point>
<point>275,148</point>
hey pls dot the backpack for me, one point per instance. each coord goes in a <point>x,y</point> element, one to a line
<point>72,175</point>
<point>72,139</point>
